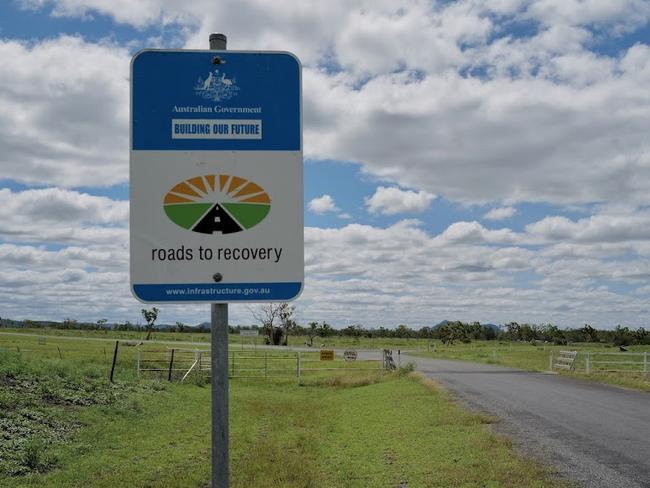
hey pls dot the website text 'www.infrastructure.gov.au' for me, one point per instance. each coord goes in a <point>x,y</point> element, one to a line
<point>194,290</point>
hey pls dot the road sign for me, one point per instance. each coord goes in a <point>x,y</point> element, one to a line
<point>350,355</point>
<point>248,333</point>
<point>326,355</point>
<point>216,176</point>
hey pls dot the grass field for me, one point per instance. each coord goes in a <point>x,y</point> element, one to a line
<point>62,424</point>
<point>531,357</point>
<point>512,354</point>
<point>204,337</point>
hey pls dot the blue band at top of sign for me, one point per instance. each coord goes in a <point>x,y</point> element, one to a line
<point>242,101</point>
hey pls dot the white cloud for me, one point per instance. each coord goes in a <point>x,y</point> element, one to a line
<point>437,97</point>
<point>471,140</point>
<point>64,110</point>
<point>138,14</point>
<point>323,205</point>
<point>55,215</point>
<point>621,15</point>
<point>500,213</point>
<point>475,115</point>
<point>475,232</point>
<point>466,272</point>
<point>392,200</point>
<point>595,229</point>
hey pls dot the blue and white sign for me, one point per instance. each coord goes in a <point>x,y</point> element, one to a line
<point>216,176</point>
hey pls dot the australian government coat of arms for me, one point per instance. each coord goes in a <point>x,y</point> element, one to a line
<point>216,87</point>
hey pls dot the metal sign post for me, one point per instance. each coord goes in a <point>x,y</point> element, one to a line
<point>219,368</point>
<point>216,190</point>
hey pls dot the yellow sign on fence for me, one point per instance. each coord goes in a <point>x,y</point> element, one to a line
<point>326,355</point>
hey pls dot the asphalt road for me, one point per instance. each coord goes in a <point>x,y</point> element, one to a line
<point>594,434</point>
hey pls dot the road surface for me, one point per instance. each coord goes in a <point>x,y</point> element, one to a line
<point>594,434</point>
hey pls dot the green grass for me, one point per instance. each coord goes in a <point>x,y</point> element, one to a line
<point>64,425</point>
<point>48,343</point>
<point>531,357</point>
<point>204,337</point>
<point>198,337</point>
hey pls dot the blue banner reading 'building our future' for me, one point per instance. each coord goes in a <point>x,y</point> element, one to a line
<point>215,100</point>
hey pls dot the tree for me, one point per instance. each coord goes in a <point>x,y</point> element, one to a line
<point>150,316</point>
<point>622,336</point>
<point>554,334</point>
<point>276,320</point>
<point>325,330</point>
<point>286,320</point>
<point>403,331</point>
<point>641,336</point>
<point>180,326</point>
<point>529,332</point>
<point>312,331</point>
<point>514,331</point>
<point>590,334</point>
<point>69,324</point>
<point>454,331</point>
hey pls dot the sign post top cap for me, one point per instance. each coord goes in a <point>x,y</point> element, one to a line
<point>218,36</point>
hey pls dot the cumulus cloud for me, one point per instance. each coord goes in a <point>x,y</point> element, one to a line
<point>64,109</point>
<point>54,215</point>
<point>595,229</point>
<point>478,140</point>
<point>500,213</point>
<point>437,97</point>
<point>461,271</point>
<point>323,205</point>
<point>623,15</point>
<point>475,232</point>
<point>392,200</point>
<point>466,271</point>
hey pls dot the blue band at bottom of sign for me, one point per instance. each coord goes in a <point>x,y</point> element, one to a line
<point>217,292</point>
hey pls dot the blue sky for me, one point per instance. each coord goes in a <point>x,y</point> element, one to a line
<point>474,162</point>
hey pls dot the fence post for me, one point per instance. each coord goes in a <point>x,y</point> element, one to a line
<point>550,361</point>
<point>645,365</point>
<point>117,345</point>
<point>197,360</point>
<point>587,363</point>
<point>137,362</point>
<point>60,355</point>
<point>298,366</point>
<point>266,364</point>
<point>171,363</point>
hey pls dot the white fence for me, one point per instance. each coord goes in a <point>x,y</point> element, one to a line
<point>617,362</point>
<point>601,362</point>
<point>565,360</point>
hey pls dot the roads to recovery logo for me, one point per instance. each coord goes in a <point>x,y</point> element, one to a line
<point>212,204</point>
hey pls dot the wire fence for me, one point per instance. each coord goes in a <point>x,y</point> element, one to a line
<point>179,364</point>
<point>130,359</point>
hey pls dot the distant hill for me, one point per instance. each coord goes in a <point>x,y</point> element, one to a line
<point>494,327</point>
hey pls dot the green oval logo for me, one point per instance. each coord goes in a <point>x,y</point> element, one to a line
<point>217,204</point>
